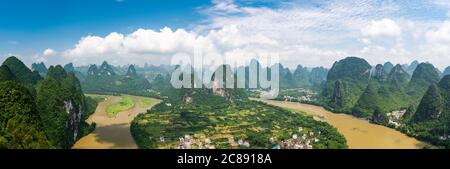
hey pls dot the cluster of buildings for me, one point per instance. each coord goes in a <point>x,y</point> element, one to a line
<point>306,98</point>
<point>188,99</point>
<point>304,141</point>
<point>240,142</point>
<point>189,142</point>
<point>296,142</point>
<point>395,117</point>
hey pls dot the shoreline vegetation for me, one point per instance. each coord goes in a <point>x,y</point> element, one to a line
<point>202,119</point>
<point>125,103</point>
<point>338,120</point>
<point>113,133</point>
<point>411,100</point>
<point>316,116</point>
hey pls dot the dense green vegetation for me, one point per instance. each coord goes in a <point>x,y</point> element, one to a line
<point>50,112</point>
<point>370,100</point>
<point>353,88</point>
<point>424,75</point>
<point>6,74</point>
<point>379,117</point>
<point>146,102</point>
<point>431,121</point>
<point>424,103</point>
<point>125,103</point>
<point>302,77</point>
<point>346,81</point>
<point>91,105</point>
<point>204,115</point>
<point>21,72</point>
<point>61,101</point>
<point>105,80</point>
<point>20,125</point>
<point>41,112</point>
<point>386,92</point>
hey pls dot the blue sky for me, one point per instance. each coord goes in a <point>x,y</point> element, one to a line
<point>311,33</point>
<point>29,26</point>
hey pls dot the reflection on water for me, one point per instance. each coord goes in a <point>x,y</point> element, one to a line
<point>360,134</point>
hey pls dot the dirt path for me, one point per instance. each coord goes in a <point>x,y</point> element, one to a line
<point>359,133</point>
<point>112,133</point>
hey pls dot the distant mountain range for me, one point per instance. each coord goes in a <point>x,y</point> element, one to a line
<point>354,87</point>
<point>351,86</point>
<point>104,79</point>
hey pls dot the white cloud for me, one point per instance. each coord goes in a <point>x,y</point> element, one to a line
<point>227,6</point>
<point>384,27</point>
<point>437,48</point>
<point>443,3</point>
<point>307,35</point>
<point>311,36</point>
<point>441,35</point>
<point>48,52</point>
<point>383,41</point>
<point>45,56</point>
<point>149,45</point>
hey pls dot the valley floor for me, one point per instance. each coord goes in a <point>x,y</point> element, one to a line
<point>113,132</point>
<point>359,133</point>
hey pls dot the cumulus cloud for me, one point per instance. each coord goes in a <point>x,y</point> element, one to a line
<point>438,49</point>
<point>147,45</point>
<point>384,27</point>
<point>315,35</point>
<point>48,52</point>
<point>224,7</point>
<point>441,35</point>
<point>45,55</point>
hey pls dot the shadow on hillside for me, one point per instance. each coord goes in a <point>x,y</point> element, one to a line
<point>117,134</point>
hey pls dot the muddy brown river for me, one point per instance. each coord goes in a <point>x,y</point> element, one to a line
<point>359,133</point>
<point>113,133</point>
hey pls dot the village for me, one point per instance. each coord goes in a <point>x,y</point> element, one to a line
<point>395,117</point>
<point>200,141</point>
<point>298,95</point>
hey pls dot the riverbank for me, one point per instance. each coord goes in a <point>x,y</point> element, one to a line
<point>113,132</point>
<point>359,133</point>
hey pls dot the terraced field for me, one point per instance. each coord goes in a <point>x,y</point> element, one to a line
<point>248,124</point>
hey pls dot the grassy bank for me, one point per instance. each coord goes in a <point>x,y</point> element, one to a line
<point>125,103</point>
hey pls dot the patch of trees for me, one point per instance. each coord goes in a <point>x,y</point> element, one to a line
<point>40,112</point>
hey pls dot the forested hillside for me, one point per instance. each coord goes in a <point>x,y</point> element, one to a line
<point>104,79</point>
<point>40,112</point>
